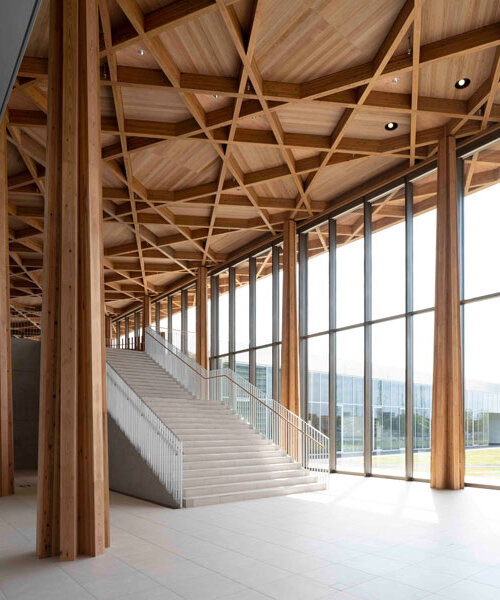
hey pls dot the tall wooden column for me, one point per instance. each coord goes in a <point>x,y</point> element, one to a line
<point>107,330</point>
<point>6,418</point>
<point>290,331</point>
<point>72,495</point>
<point>447,452</point>
<point>201,318</point>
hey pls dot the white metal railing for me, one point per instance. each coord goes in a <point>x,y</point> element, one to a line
<point>300,440</point>
<point>156,443</point>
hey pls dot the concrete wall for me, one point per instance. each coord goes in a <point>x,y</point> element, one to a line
<point>25,391</point>
<point>129,474</point>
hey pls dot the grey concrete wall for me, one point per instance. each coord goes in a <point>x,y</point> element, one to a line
<point>25,391</point>
<point>128,472</point>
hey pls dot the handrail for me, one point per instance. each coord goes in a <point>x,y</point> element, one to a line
<point>302,442</point>
<point>208,377</point>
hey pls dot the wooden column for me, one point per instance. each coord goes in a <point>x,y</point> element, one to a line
<point>201,318</point>
<point>447,451</point>
<point>107,330</point>
<point>118,326</point>
<point>6,418</point>
<point>290,330</point>
<point>72,495</point>
<point>146,317</point>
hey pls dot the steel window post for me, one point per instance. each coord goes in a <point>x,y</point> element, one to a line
<point>332,357</point>
<point>137,330</point>
<point>409,443</point>
<point>368,419</point>
<point>127,326</point>
<point>157,316</point>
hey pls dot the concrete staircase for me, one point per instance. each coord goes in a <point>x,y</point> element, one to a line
<point>224,459</point>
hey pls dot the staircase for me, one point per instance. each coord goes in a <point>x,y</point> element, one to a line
<point>224,459</point>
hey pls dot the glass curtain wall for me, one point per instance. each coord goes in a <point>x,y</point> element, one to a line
<point>480,207</point>
<point>245,307</point>
<point>367,377</point>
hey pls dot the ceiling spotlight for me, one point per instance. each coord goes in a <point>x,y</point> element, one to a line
<point>216,96</point>
<point>395,80</point>
<point>462,83</point>
<point>391,126</point>
<point>253,118</point>
<point>140,52</point>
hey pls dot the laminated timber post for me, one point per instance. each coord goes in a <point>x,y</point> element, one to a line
<point>290,331</point>
<point>146,317</point>
<point>447,442</point>
<point>107,331</point>
<point>73,510</point>
<point>201,318</point>
<point>6,417</point>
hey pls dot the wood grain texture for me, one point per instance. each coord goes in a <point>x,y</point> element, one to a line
<point>6,408</point>
<point>447,440</point>
<point>201,317</point>
<point>290,330</point>
<point>72,500</point>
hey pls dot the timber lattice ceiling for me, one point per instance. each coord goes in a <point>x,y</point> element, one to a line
<point>223,118</point>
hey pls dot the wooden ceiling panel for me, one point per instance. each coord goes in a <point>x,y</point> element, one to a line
<point>202,46</point>
<point>318,118</point>
<point>176,165</point>
<point>153,104</point>
<point>445,18</point>
<point>254,158</point>
<point>337,179</point>
<point>438,79</point>
<point>370,125</point>
<point>305,40</point>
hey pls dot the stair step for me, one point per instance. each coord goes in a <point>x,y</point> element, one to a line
<point>211,440</point>
<point>196,463</point>
<point>225,488</point>
<point>259,475</point>
<point>251,494</point>
<point>192,454</point>
<point>258,470</point>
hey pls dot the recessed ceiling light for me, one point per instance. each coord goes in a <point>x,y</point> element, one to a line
<point>216,96</point>
<point>140,52</point>
<point>253,118</point>
<point>395,80</point>
<point>462,83</point>
<point>391,126</point>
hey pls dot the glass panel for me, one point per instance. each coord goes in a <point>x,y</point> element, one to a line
<point>423,352</point>
<point>482,391</point>
<point>424,242</point>
<point>264,370</point>
<point>350,268</point>
<point>176,319</point>
<point>388,255</point>
<point>317,401</point>
<point>264,299</point>
<point>350,399</point>
<point>481,241</point>
<point>191,321</point>
<point>241,364</point>
<point>318,280</point>
<point>388,399</point>
<point>242,309</point>
<point>224,312</point>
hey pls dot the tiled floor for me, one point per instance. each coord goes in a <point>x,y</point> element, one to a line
<point>366,538</point>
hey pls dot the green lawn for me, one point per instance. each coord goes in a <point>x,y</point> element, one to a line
<point>481,464</point>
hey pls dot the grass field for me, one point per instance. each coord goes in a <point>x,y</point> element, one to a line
<point>482,465</point>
